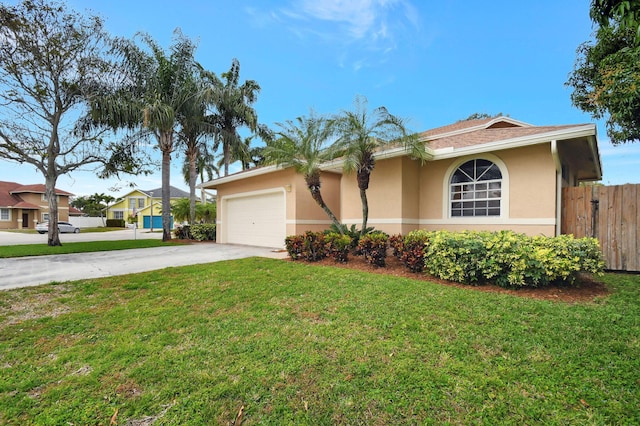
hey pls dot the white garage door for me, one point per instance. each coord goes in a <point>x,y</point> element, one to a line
<point>257,220</point>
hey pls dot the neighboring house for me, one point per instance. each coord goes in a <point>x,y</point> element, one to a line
<point>135,207</point>
<point>486,174</point>
<point>23,206</point>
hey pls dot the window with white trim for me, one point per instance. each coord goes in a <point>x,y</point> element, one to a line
<point>5,214</point>
<point>118,214</point>
<point>476,189</point>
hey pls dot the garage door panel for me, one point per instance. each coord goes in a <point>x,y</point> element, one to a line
<point>256,220</point>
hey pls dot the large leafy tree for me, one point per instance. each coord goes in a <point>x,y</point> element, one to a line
<point>154,86</point>
<point>304,144</point>
<point>234,109</point>
<point>361,133</point>
<point>50,60</point>
<point>92,205</point>
<point>607,71</point>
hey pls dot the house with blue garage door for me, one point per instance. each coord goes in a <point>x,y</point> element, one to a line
<point>143,207</point>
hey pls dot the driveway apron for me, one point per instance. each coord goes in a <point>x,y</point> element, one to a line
<point>32,271</point>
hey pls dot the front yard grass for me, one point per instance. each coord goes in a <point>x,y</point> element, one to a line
<point>263,341</point>
<point>20,250</point>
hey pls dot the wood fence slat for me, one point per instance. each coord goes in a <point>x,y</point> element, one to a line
<point>616,223</point>
<point>628,227</point>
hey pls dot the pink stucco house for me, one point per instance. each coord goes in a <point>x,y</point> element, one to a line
<point>486,174</point>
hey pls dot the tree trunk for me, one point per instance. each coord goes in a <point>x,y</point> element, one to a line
<point>192,154</point>
<point>313,184</point>
<point>363,183</point>
<point>166,146</point>
<point>53,237</point>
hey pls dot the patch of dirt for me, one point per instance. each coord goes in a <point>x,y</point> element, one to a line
<point>586,289</point>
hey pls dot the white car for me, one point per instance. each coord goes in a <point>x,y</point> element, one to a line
<point>62,227</point>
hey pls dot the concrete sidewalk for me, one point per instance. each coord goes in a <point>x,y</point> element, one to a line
<point>32,271</point>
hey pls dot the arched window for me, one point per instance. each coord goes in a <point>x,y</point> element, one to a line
<point>476,189</point>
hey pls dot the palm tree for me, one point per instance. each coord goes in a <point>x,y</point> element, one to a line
<point>195,130</point>
<point>205,163</point>
<point>149,102</point>
<point>303,145</point>
<point>361,134</point>
<point>233,103</point>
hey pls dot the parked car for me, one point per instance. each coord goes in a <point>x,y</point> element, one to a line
<point>63,227</point>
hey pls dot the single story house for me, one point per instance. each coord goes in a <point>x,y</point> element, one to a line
<point>484,174</point>
<point>23,206</point>
<point>143,207</point>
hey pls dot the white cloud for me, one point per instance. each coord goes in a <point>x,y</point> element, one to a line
<point>362,33</point>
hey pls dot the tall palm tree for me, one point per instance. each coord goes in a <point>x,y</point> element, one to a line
<point>196,130</point>
<point>233,103</point>
<point>304,145</point>
<point>150,99</point>
<point>361,133</point>
<point>205,164</point>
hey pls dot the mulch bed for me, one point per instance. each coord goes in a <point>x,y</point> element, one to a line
<point>586,288</point>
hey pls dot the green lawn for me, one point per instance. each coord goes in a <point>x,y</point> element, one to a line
<point>263,341</point>
<point>21,250</point>
<point>84,230</point>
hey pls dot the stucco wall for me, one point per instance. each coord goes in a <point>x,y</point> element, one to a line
<point>529,193</point>
<point>403,195</point>
<point>302,212</point>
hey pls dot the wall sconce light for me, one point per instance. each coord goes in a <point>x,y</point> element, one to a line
<point>287,188</point>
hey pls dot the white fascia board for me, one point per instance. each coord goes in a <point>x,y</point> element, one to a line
<point>212,184</point>
<point>587,130</point>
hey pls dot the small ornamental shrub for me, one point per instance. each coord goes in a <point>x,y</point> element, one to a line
<point>182,232</point>
<point>396,243</point>
<point>309,246</point>
<point>353,233</point>
<point>338,246</point>
<point>414,245</point>
<point>373,247</point>
<point>203,232</point>
<point>294,245</point>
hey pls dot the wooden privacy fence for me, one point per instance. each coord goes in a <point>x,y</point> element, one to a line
<point>609,213</point>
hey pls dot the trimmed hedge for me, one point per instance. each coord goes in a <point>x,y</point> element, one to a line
<point>509,259</point>
<point>203,232</point>
<point>115,223</point>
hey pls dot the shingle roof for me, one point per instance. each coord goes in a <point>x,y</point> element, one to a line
<point>37,188</point>
<point>9,194</point>
<point>482,136</point>
<point>173,191</point>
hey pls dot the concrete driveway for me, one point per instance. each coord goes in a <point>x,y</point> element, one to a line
<point>31,271</point>
<point>11,238</point>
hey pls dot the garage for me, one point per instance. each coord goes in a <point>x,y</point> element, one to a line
<point>256,219</point>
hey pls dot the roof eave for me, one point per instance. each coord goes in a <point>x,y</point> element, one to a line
<point>586,131</point>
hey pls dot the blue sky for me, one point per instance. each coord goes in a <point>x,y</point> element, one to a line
<point>433,63</point>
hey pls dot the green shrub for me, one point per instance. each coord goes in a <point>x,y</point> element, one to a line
<point>373,247</point>
<point>182,232</point>
<point>338,246</point>
<point>294,245</point>
<point>310,246</point>
<point>352,232</point>
<point>203,232</point>
<point>115,223</point>
<point>396,244</point>
<point>509,259</point>
<point>414,245</point>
